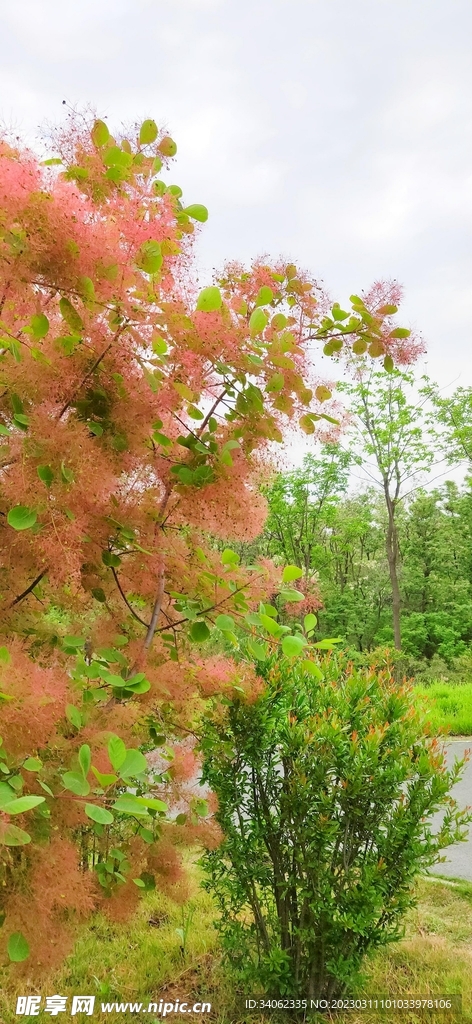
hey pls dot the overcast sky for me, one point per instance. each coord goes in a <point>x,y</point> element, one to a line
<point>334,132</point>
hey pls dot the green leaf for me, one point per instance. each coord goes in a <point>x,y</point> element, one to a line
<point>195,413</point>
<point>291,595</point>
<point>45,474</point>
<point>22,804</point>
<point>98,814</point>
<point>70,315</point>
<point>10,835</point>
<point>199,632</point>
<point>17,948</point>
<point>4,431</point>
<point>5,656</point>
<point>312,669</point>
<point>129,804</point>
<point>100,133</point>
<point>21,517</point>
<point>149,257</point>
<point>293,645</point>
<point>257,650</point>
<point>153,803</point>
<point>74,641</point>
<point>291,572</point>
<point>133,764</point>
<point>224,622</point>
<point>209,300</point>
<point>39,325</point>
<point>388,364</point>
<point>75,783</point>
<point>276,382</point>
<point>167,146</point>
<point>400,332</point>
<point>32,764</point>
<point>104,780</point>
<point>7,794</point>
<point>264,296</point>
<point>95,428</point>
<point>85,759</point>
<point>257,322</point>
<point>309,622</point>
<point>99,594</point>
<point>110,559</point>
<point>67,474</point>
<point>328,644</point>
<point>147,132</point>
<point>116,751</point>
<point>197,212</point>
<point>229,557</point>
<point>74,716</point>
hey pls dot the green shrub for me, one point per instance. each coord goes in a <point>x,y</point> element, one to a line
<point>325,788</point>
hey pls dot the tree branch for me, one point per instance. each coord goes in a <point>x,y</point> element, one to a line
<point>28,589</point>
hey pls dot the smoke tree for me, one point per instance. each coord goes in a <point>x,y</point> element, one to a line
<point>136,414</point>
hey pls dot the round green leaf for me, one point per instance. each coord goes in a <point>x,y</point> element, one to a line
<point>100,133</point>
<point>225,622</point>
<point>209,300</point>
<point>197,212</point>
<point>98,814</point>
<point>312,669</point>
<point>149,257</point>
<point>75,783</point>
<point>21,517</point>
<point>199,632</point>
<point>39,325</point>
<point>22,804</point>
<point>291,572</point>
<point>18,948</point>
<point>293,645</point>
<point>133,764</point>
<point>309,622</point>
<point>147,132</point>
<point>264,295</point>
<point>257,322</point>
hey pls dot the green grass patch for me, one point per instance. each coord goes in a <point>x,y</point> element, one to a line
<point>450,707</point>
<point>143,961</point>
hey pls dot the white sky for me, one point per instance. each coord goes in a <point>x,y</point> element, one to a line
<point>336,133</point>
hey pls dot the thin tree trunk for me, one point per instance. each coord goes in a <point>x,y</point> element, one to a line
<point>391,547</point>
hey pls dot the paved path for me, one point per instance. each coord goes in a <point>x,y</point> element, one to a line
<point>459,856</point>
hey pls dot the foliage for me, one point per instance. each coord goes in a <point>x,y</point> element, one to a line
<point>325,786</point>
<point>135,416</point>
<point>339,536</point>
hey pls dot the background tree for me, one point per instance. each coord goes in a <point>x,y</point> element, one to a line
<point>135,413</point>
<point>396,445</point>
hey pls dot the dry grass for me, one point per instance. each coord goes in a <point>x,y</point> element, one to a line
<point>144,961</point>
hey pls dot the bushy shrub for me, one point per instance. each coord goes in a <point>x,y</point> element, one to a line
<point>326,787</point>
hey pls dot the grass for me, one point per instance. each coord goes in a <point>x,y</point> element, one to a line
<point>143,960</point>
<point>451,707</point>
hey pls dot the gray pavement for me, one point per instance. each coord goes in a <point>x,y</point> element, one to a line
<point>459,856</point>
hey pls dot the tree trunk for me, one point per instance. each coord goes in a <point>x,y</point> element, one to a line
<point>391,547</point>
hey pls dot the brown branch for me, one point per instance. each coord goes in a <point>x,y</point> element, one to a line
<point>28,589</point>
<point>125,599</point>
<point>156,609</point>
